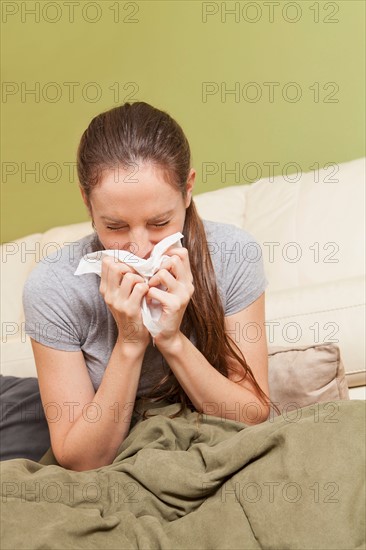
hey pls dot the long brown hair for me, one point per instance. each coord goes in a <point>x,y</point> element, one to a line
<point>131,134</point>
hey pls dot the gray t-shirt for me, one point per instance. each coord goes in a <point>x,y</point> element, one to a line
<point>67,312</point>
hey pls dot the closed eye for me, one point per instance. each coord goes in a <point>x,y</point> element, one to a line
<point>159,224</point>
<point>120,228</point>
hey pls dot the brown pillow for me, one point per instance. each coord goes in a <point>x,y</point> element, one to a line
<point>299,376</point>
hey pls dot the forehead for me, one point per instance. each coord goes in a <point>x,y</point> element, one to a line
<point>138,190</point>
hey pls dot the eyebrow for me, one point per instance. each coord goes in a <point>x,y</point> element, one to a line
<point>158,217</point>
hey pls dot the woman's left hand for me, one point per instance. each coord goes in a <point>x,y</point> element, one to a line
<point>175,274</point>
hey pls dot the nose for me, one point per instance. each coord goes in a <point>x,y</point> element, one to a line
<point>141,248</point>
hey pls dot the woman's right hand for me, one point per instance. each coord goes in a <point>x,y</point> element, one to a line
<point>123,290</point>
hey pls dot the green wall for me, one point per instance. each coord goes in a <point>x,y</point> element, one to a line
<point>180,56</point>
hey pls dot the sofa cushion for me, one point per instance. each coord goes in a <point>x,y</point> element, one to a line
<point>23,425</point>
<point>328,312</point>
<point>17,260</point>
<point>299,376</point>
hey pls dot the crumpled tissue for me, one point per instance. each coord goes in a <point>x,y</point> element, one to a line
<point>92,263</point>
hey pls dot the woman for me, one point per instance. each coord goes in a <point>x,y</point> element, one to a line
<point>136,180</point>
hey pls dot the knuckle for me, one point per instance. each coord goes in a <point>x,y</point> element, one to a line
<point>129,269</point>
<point>188,293</point>
<point>123,310</point>
<point>176,302</point>
<point>107,300</point>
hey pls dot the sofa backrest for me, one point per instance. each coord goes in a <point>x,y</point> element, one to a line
<point>311,226</point>
<point>19,257</point>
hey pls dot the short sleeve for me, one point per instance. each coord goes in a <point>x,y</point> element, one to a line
<point>245,276</point>
<point>49,314</point>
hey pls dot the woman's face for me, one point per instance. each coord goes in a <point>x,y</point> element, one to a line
<point>136,208</point>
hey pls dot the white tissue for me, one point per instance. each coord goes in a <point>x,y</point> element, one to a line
<point>92,263</point>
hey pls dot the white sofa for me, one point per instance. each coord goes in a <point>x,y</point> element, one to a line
<point>311,230</point>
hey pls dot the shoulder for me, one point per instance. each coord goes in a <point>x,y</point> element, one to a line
<point>226,231</point>
<point>229,243</point>
<point>58,267</point>
<point>59,306</point>
<point>238,263</point>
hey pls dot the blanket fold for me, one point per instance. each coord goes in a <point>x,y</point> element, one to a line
<point>295,481</point>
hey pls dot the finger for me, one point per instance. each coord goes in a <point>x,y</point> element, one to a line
<point>174,265</point>
<point>113,271</point>
<point>117,280</point>
<point>182,291</point>
<point>132,302</point>
<point>165,278</point>
<point>165,299</point>
<point>128,284</point>
<point>111,261</point>
<point>183,254</point>
<point>128,296</point>
<point>105,267</point>
<point>139,290</point>
<point>179,266</point>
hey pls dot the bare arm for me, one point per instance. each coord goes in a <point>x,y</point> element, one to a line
<point>210,391</point>
<point>89,426</point>
<point>86,427</point>
<point>104,423</point>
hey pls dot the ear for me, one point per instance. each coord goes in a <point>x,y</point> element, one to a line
<point>85,200</point>
<point>190,186</point>
<point>83,195</point>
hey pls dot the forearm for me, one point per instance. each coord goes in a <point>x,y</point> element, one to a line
<point>94,438</point>
<point>210,391</point>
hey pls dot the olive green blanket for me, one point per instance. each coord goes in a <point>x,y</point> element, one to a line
<point>295,481</point>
